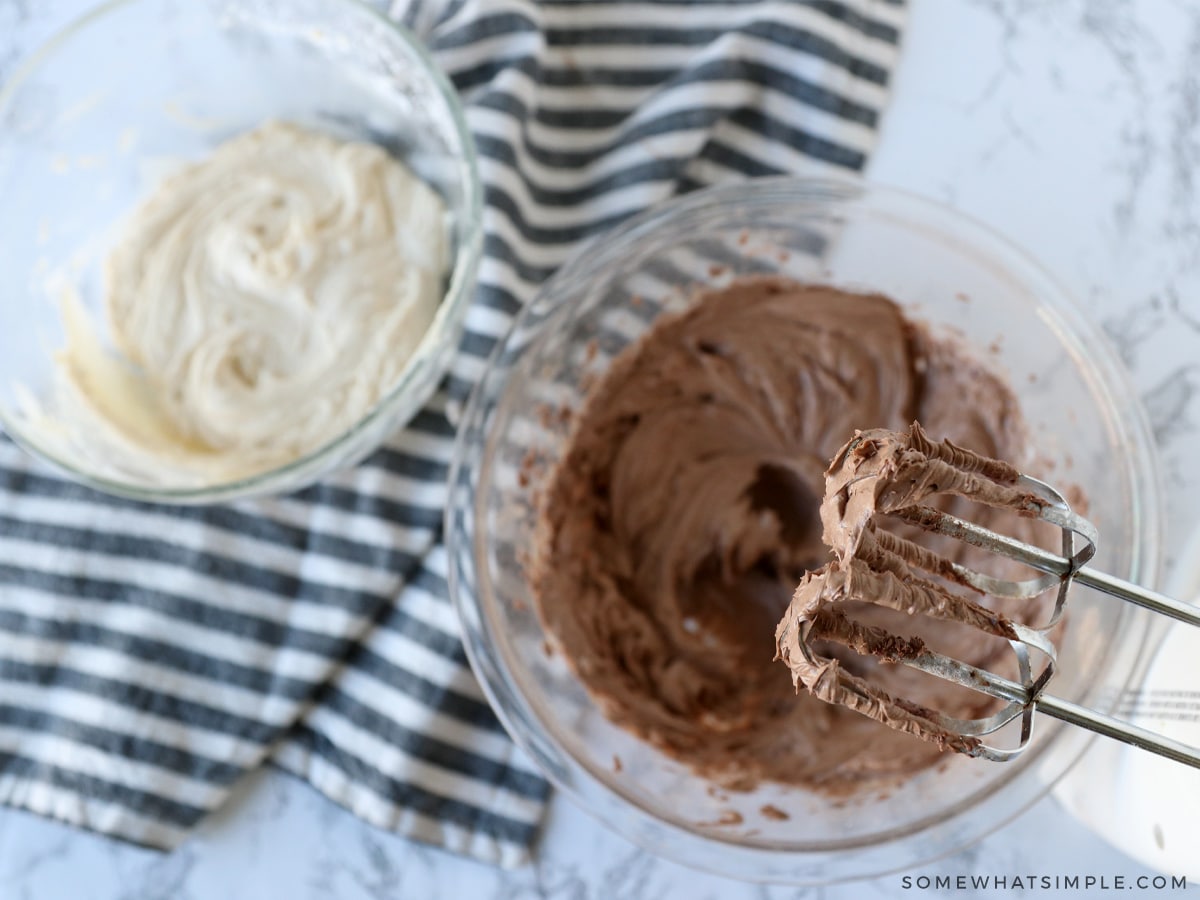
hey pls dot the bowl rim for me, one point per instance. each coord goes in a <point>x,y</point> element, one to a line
<point>450,312</point>
<point>1106,376</point>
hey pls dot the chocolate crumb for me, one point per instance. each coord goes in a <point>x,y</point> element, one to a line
<point>529,462</point>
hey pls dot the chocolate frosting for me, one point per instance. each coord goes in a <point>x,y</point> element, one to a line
<point>684,511</point>
<point>878,474</point>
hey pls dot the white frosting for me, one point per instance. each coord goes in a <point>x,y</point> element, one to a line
<point>264,300</point>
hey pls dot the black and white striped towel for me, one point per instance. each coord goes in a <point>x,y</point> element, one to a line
<point>151,655</point>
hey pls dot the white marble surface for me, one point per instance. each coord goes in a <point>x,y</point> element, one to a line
<point>1073,126</point>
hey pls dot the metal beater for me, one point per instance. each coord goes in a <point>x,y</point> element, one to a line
<point>1027,695</point>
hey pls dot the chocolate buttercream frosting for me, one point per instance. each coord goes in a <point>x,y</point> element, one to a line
<point>880,474</point>
<point>685,509</point>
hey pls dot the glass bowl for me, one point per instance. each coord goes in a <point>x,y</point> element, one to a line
<point>137,87</point>
<point>947,271</point>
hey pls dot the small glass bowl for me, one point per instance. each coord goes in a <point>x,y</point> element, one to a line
<point>949,272</point>
<point>138,86</point>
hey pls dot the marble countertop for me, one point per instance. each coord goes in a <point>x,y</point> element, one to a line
<point>1071,126</point>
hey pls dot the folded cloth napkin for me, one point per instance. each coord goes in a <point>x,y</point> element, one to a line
<point>150,655</point>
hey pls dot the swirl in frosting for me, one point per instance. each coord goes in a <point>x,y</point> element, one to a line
<point>264,300</point>
<point>684,511</point>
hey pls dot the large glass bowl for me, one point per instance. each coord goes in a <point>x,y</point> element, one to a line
<point>948,271</point>
<point>137,87</point>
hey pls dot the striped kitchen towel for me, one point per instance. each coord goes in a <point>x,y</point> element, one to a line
<point>149,656</point>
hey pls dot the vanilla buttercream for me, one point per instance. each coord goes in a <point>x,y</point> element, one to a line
<point>260,302</point>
